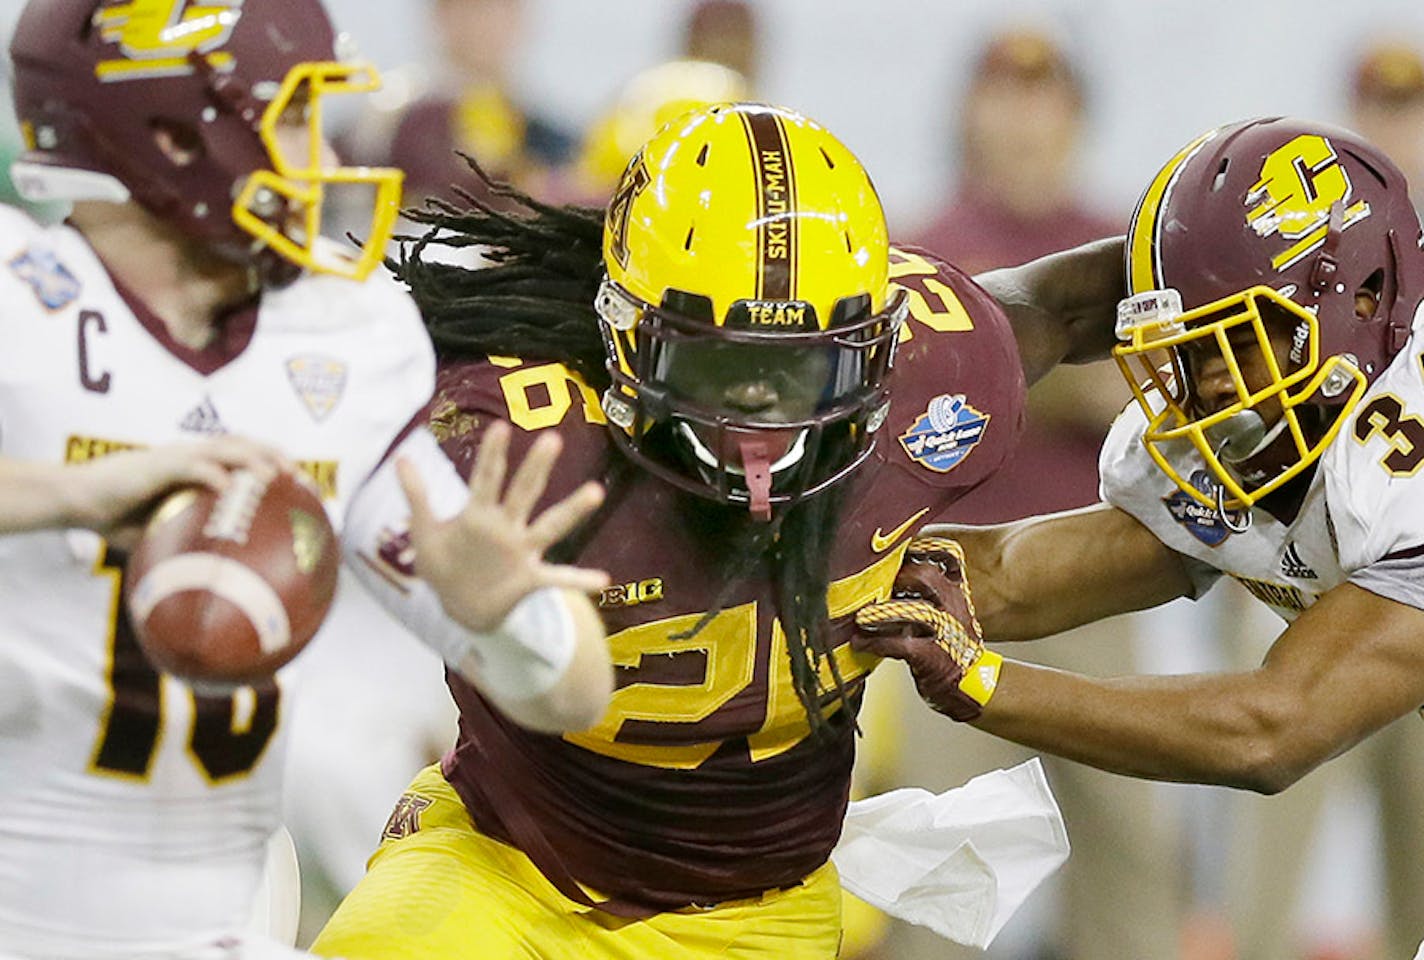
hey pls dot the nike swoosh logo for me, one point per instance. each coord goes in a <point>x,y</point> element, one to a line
<point>880,542</point>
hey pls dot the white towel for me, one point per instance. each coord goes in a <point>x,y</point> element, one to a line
<point>960,862</point>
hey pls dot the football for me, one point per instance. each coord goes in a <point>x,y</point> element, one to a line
<point>222,590</point>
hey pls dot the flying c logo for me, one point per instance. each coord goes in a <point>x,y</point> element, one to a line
<point>156,37</point>
<point>1299,184</point>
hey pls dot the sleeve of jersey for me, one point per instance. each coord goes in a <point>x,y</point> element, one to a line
<point>441,444</point>
<point>1378,521</point>
<point>1131,482</point>
<point>376,540</point>
<point>405,359</point>
<point>958,390</point>
<point>33,283</point>
<point>533,397</point>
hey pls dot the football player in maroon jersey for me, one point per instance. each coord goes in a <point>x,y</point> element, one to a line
<point>775,400</point>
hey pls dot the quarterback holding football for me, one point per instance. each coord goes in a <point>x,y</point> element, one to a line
<point>189,324</point>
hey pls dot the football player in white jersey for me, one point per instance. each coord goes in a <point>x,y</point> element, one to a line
<point>1272,335</point>
<point>188,301</point>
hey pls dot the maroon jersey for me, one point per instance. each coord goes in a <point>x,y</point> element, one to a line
<point>703,782</point>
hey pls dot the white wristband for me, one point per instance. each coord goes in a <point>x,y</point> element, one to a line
<point>526,655</point>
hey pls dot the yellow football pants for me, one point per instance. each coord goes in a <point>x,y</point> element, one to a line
<point>444,891</point>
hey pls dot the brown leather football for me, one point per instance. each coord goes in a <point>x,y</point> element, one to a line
<point>223,590</point>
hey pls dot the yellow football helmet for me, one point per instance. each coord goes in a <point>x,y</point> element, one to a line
<point>747,306</point>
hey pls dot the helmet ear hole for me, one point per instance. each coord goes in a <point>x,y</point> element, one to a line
<point>850,309</point>
<point>694,305</point>
<point>1367,296</point>
<point>178,141</point>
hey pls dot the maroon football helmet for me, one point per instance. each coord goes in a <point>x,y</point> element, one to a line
<point>1269,226</point>
<point>98,82</point>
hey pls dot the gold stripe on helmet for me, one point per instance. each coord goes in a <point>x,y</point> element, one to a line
<point>1144,268</point>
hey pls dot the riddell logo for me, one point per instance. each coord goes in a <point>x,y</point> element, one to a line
<point>155,37</point>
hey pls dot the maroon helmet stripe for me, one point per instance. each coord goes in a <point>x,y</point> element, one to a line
<point>777,230</point>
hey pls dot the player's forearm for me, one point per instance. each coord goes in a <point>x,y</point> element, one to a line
<point>1230,730</point>
<point>1016,597</point>
<point>1063,307</point>
<point>546,667</point>
<point>580,693</point>
<point>38,495</point>
<point>1041,576</point>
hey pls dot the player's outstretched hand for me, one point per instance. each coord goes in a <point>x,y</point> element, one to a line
<point>486,558</point>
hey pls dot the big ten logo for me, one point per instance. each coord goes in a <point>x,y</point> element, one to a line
<point>540,396</point>
<point>155,38</point>
<point>1299,184</point>
<point>631,594</point>
<point>932,301</point>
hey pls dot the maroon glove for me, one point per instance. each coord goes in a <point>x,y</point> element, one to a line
<point>929,623</point>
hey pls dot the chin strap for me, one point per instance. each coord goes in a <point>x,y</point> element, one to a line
<point>1258,442</point>
<point>1225,514</point>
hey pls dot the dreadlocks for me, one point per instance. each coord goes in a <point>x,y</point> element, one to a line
<point>534,300</point>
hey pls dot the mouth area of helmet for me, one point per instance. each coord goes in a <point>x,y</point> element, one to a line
<point>1243,444</point>
<point>783,449</point>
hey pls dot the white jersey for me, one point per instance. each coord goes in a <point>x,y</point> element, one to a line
<point>131,810</point>
<point>1362,519</point>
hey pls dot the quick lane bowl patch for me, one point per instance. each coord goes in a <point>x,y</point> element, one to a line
<point>1201,521</point>
<point>51,280</point>
<point>945,433</point>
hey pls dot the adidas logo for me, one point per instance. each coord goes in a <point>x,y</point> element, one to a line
<point>203,419</point>
<point>1293,566</point>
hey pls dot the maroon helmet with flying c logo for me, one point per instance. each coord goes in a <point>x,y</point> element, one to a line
<point>1270,225</point>
<point>185,107</point>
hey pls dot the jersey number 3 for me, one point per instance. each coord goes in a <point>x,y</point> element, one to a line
<point>1384,416</point>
